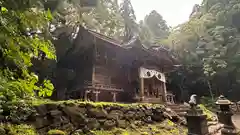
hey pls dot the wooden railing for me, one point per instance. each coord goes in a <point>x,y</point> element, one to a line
<point>101,86</point>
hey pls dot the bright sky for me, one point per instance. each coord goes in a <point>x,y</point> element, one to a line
<point>173,11</point>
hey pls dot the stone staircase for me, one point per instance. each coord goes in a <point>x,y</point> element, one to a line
<point>180,109</point>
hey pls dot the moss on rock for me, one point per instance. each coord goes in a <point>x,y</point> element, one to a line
<point>56,132</point>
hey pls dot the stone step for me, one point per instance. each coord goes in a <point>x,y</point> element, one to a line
<point>173,107</point>
<point>177,107</point>
<point>181,114</point>
<point>179,110</point>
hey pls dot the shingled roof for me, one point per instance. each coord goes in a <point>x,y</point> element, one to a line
<point>134,42</point>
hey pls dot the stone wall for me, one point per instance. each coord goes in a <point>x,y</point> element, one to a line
<point>83,117</point>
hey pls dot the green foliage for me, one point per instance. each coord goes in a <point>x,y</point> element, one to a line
<point>154,21</point>
<point>128,15</point>
<point>209,103</point>
<point>56,132</point>
<point>19,129</point>
<point>16,111</point>
<point>208,46</point>
<point>210,115</point>
<point>19,44</point>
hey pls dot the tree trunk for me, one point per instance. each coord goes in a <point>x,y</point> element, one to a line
<point>210,89</point>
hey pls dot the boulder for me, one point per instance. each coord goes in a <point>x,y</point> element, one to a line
<point>148,120</point>
<point>51,106</point>
<point>115,114</point>
<point>55,113</point>
<point>41,110</point>
<point>109,124</point>
<point>93,124</point>
<point>148,112</point>
<point>78,132</point>
<point>101,121</point>
<point>158,115</point>
<point>75,114</point>
<point>130,115</point>
<point>122,124</point>
<point>97,113</point>
<point>41,122</point>
<point>138,123</point>
<point>140,114</point>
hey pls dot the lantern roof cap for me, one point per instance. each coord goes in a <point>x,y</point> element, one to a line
<point>223,101</point>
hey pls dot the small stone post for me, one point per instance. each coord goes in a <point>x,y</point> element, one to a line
<point>196,121</point>
<point>225,116</point>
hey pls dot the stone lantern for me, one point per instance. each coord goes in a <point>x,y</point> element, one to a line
<point>225,116</point>
<point>196,120</point>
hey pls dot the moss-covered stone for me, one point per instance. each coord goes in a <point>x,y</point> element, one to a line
<point>56,132</point>
<point>21,129</point>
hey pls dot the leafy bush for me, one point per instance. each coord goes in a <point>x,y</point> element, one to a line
<point>209,103</point>
<point>19,46</point>
<point>15,111</point>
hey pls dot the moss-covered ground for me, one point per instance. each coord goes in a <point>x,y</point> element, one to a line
<point>165,128</point>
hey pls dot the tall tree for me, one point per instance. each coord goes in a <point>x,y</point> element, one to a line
<point>157,25</point>
<point>210,41</point>
<point>128,15</point>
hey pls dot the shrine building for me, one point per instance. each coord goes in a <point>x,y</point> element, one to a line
<point>107,70</point>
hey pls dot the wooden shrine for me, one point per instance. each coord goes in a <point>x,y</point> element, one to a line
<point>106,70</point>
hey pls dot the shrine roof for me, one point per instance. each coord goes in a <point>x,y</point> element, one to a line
<point>154,49</point>
<point>105,38</point>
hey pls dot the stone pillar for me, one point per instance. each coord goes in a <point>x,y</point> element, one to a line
<point>196,121</point>
<point>197,124</point>
<point>96,95</point>
<point>114,96</point>
<point>225,116</point>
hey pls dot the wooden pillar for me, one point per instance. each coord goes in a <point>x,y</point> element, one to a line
<point>114,96</point>
<point>141,89</point>
<point>164,92</point>
<point>94,57</point>
<point>86,94</point>
<point>96,95</point>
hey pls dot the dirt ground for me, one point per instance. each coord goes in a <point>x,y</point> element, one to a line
<point>236,120</point>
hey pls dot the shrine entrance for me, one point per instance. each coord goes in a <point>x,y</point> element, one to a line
<point>152,86</point>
